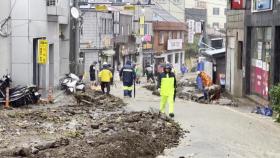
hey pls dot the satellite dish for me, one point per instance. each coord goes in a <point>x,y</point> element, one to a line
<point>75,12</point>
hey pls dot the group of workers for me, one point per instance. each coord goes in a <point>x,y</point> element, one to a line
<point>166,82</point>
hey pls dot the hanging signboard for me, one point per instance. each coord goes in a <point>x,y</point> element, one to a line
<point>191,31</point>
<point>141,31</point>
<point>129,7</point>
<point>237,4</point>
<point>198,27</point>
<point>261,5</point>
<point>174,44</point>
<point>42,53</point>
<point>142,20</point>
<point>101,8</point>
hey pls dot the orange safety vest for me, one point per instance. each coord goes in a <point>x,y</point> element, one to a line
<point>207,82</point>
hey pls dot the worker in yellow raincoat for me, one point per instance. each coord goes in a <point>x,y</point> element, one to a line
<point>105,76</point>
<point>167,87</point>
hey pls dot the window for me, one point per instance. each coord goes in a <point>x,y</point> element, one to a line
<point>169,35</point>
<point>146,29</point>
<point>169,58</point>
<point>174,35</point>
<point>128,29</point>
<point>239,53</point>
<point>51,2</point>
<point>216,25</point>
<point>216,11</point>
<point>176,58</point>
<point>161,37</point>
<point>178,35</point>
<point>262,5</point>
<point>122,33</point>
<point>225,11</point>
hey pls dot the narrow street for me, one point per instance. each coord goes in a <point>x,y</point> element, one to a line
<point>215,131</point>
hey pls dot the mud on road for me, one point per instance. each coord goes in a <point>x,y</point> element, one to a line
<point>96,126</point>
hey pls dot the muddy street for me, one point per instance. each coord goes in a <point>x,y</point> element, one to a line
<point>216,131</point>
<point>85,125</point>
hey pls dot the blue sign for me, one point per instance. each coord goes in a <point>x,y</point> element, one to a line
<point>261,5</point>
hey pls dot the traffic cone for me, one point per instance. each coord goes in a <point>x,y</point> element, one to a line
<point>7,102</point>
<point>50,95</point>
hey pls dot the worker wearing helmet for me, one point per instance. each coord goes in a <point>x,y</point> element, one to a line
<point>105,76</point>
<point>167,86</point>
<point>127,75</point>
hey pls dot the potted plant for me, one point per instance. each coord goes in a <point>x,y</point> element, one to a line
<point>275,100</point>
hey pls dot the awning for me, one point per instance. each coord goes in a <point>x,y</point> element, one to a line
<point>109,52</point>
<point>215,52</point>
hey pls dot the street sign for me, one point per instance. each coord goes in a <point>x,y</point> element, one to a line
<point>42,51</point>
<point>101,8</point>
<point>142,20</point>
<point>129,7</point>
<point>237,4</point>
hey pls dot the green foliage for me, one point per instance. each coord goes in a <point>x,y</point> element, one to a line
<point>192,49</point>
<point>275,100</point>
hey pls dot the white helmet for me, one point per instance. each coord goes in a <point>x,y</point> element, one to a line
<point>105,63</point>
<point>198,72</point>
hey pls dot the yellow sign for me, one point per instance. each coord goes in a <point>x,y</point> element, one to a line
<point>101,8</point>
<point>141,31</point>
<point>147,46</point>
<point>129,7</point>
<point>142,20</point>
<point>42,55</point>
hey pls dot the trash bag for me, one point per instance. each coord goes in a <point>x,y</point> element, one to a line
<point>264,110</point>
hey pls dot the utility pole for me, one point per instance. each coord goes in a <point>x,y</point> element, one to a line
<point>74,41</point>
<point>77,40</point>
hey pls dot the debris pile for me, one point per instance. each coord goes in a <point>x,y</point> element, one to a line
<point>96,127</point>
<point>187,90</point>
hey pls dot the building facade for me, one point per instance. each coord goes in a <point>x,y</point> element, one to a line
<point>5,39</point>
<point>261,51</point>
<point>96,44</point>
<point>216,13</point>
<point>234,49</point>
<point>124,40</point>
<point>32,20</point>
<point>169,43</point>
<point>174,7</point>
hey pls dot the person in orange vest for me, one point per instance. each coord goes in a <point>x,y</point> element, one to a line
<point>207,82</point>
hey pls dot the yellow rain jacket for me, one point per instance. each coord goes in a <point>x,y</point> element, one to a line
<point>105,75</point>
<point>167,84</point>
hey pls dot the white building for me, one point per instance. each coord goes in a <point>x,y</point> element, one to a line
<point>216,12</point>
<point>31,20</point>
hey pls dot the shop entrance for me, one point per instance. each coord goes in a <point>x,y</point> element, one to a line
<point>260,61</point>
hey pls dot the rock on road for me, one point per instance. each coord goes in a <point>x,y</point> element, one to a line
<point>215,131</point>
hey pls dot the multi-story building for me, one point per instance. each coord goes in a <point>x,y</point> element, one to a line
<point>216,13</point>
<point>96,44</point>
<point>234,47</point>
<point>169,43</point>
<point>5,59</point>
<point>30,21</point>
<point>174,7</point>
<point>261,51</point>
<point>124,40</point>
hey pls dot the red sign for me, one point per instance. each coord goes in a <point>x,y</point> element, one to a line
<point>259,81</point>
<point>236,4</point>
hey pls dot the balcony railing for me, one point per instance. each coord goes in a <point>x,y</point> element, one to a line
<point>52,2</point>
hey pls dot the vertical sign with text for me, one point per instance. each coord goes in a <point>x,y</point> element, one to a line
<point>42,55</point>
